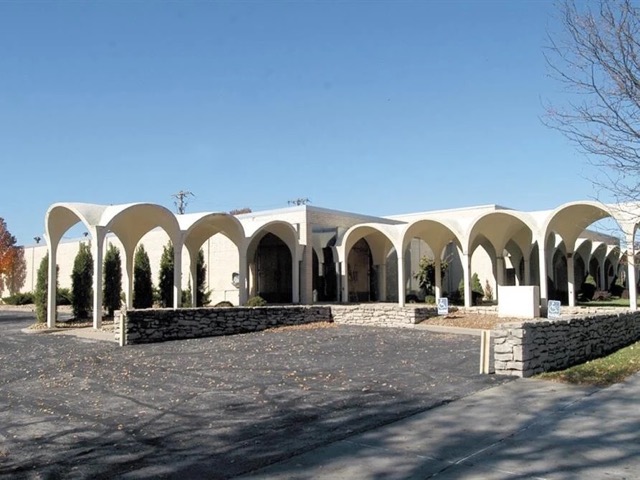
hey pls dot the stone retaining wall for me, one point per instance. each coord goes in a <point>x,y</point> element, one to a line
<point>527,348</point>
<point>158,325</point>
<point>381,314</point>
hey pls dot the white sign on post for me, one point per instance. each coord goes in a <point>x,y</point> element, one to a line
<point>553,309</point>
<point>443,306</point>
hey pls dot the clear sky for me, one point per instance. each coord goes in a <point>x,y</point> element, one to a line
<point>377,107</point>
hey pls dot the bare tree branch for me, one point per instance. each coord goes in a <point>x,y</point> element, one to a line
<point>597,59</point>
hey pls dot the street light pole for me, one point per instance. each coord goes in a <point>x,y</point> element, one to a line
<point>33,266</point>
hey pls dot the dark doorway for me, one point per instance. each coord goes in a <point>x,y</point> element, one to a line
<point>273,263</point>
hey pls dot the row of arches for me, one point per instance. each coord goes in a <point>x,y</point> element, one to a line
<point>306,261</point>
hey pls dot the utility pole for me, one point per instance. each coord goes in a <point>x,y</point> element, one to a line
<point>181,200</point>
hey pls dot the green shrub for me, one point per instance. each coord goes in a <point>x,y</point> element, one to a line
<point>112,280</point>
<point>142,283</point>
<point>165,280</point>
<point>426,274</point>
<point>203,296</point>
<point>430,299</point>
<point>42,289</point>
<point>82,282</point>
<point>64,296</point>
<point>256,301</point>
<point>25,298</point>
<point>224,303</point>
<point>477,293</point>
<point>186,297</point>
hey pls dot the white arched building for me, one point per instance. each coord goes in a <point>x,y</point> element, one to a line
<point>304,254</point>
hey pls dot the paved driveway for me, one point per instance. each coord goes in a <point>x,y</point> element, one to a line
<point>214,407</point>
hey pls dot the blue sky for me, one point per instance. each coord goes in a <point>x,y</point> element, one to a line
<point>378,107</point>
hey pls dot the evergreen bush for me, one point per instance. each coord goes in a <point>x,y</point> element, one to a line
<point>112,280</point>
<point>64,296</point>
<point>477,293</point>
<point>41,294</point>
<point>82,282</point>
<point>165,280</point>
<point>142,282</point>
<point>224,303</point>
<point>25,298</point>
<point>256,301</point>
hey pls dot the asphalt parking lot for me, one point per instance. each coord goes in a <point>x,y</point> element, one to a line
<point>215,407</point>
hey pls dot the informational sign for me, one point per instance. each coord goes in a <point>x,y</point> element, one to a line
<point>443,306</point>
<point>553,309</point>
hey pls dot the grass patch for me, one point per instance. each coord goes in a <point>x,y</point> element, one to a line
<point>601,372</point>
<point>618,302</point>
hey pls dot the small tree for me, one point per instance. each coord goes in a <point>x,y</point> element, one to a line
<point>42,289</point>
<point>477,293</point>
<point>16,276</point>
<point>596,57</point>
<point>8,252</point>
<point>426,274</point>
<point>142,282</point>
<point>165,282</point>
<point>82,282</point>
<point>488,291</point>
<point>202,294</point>
<point>112,274</point>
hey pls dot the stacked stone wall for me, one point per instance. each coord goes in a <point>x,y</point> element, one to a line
<point>531,347</point>
<point>159,325</point>
<point>381,315</point>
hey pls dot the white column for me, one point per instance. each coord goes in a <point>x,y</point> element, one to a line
<point>343,280</point>
<point>466,271</point>
<point>542,266</point>
<point>193,275</point>
<point>382,282</point>
<point>295,279</point>
<point>177,274</point>
<point>571,279</point>
<point>253,279</point>
<point>499,276</point>
<point>52,275</point>
<point>97,247</point>
<point>128,278</point>
<point>631,282</point>
<point>242,278</point>
<point>401,281</point>
<point>438,266</point>
<point>340,283</point>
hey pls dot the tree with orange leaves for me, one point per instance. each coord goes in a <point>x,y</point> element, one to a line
<point>10,258</point>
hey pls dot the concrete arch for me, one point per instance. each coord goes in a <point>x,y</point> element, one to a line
<point>283,230</point>
<point>437,234</point>
<point>289,236</point>
<point>381,239</point>
<point>58,219</point>
<point>570,219</point>
<point>499,227</point>
<point>131,222</point>
<point>197,228</point>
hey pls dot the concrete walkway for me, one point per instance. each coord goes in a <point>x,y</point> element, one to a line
<point>522,429</point>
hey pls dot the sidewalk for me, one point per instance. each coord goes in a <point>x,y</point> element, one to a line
<point>522,429</point>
